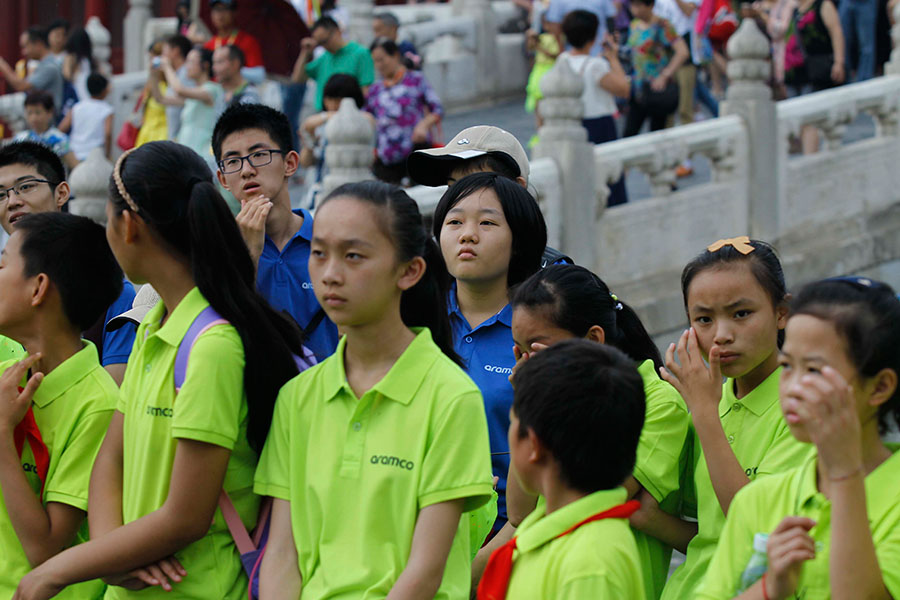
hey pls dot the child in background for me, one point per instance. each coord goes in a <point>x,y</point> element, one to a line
<point>736,303</point>
<point>376,452</point>
<point>155,526</point>
<point>91,120</point>
<point>492,235</point>
<point>58,275</point>
<point>562,302</point>
<point>39,114</point>
<point>604,81</point>
<point>573,433</point>
<point>546,48</point>
<point>830,527</point>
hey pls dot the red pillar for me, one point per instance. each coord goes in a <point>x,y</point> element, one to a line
<point>97,8</point>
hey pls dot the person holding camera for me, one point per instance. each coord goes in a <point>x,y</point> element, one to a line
<point>657,53</point>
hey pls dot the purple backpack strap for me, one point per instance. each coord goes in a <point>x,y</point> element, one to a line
<point>207,318</point>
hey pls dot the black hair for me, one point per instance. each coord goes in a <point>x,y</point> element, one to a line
<point>37,34</point>
<point>73,252</point>
<point>79,45</point>
<point>96,84</point>
<point>34,154</point>
<point>235,53</point>
<point>241,117</point>
<point>644,2</point>
<point>866,314</point>
<point>57,23</point>
<point>325,23</point>
<point>764,265</point>
<point>575,299</point>
<point>41,97</point>
<point>388,45</point>
<point>585,402</point>
<point>205,59</point>
<point>580,28</point>
<point>529,231</point>
<point>181,42</point>
<point>175,195</point>
<point>424,304</point>
<point>388,18</point>
<point>341,85</point>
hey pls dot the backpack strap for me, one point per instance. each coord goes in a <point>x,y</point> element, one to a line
<point>313,323</point>
<point>207,318</point>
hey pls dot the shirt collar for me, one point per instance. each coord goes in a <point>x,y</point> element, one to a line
<point>758,401</point>
<point>882,485</point>
<point>402,381</point>
<point>305,231</point>
<point>504,316</point>
<point>176,326</point>
<point>538,528</point>
<point>75,368</point>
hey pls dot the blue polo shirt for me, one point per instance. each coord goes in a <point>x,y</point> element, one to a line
<point>117,344</point>
<point>283,279</point>
<point>488,357</point>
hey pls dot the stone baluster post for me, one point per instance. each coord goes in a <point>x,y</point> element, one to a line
<point>486,65</point>
<point>893,66</point>
<point>12,109</point>
<point>138,13</point>
<point>564,139</point>
<point>348,155</point>
<point>359,29</point>
<point>100,41</point>
<point>89,182</point>
<point>750,97</point>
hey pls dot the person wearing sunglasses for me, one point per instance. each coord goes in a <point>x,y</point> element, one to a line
<point>255,160</point>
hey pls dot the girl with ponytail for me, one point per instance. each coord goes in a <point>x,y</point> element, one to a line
<point>376,452</point>
<point>153,515</point>
<point>566,301</point>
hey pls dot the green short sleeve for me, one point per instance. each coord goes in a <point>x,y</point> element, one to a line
<point>733,551</point>
<point>272,473</point>
<point>366,68</point>
<point>600,586</point>
<point>451,469</point>
<point>69,481</point>
<point>312,68</point>
<point>210,406</point>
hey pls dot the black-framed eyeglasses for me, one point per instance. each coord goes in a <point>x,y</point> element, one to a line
<point>259,158</point>
<point>23,188</point>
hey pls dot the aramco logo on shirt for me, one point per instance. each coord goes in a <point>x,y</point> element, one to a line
<point>156,411</point>
<point>498,370</point>
<point>391,461</point>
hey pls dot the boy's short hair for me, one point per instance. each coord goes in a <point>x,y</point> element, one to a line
<point>325,22</point>
<point>96,84</point>
<point>57,23</point>
<point>39,97</point>
<point>181,42</point>
<point>75,255</point>
<point>388,18</point>
<point>37,34</point>
<point>241,117</point>
<point>34,154</point>
<point>580,28</point>
<point>341,85</point>
<point>585,402</point>
<point>235,53</point>
<point>434,166</point>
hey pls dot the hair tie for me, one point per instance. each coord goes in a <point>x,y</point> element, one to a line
<point>120,184</point>
<point>741,244</point>
<point>617,305</point>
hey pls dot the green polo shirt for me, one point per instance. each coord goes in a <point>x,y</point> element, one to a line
<point>72,408</point>
<point>352,59</point>
<point>598,560</point>
<point>10,349</point>
<point>211,408</point>
<point>357,471</point>
<point>658,468</point>
<point>762,444</point>
<point>760,507</point>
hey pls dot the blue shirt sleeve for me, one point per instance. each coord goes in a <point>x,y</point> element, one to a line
<point>117,344</point>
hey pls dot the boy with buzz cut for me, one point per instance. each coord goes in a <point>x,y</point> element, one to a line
<point>58,275</point>
<point>573,435</point>
<point>252,146</point>
<point>33,180</point>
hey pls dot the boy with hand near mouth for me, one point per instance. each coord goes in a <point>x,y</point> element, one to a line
<point>252,146</point>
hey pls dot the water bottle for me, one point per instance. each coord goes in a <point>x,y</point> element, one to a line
<point>758,563</point>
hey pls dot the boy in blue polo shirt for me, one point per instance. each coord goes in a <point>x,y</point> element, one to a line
<point>33,180</point>
<point>252,146</point>
<point>573,436</point>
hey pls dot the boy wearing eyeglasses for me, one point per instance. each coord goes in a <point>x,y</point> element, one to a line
<point>255,159</point>
<point>33,180</point>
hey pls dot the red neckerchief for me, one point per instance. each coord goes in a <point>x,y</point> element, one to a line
<point>27,429</point>
<point>495,580</point>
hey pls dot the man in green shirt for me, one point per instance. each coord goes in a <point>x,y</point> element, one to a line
<point>340,56</point>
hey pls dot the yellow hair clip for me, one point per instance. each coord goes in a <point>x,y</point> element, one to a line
<point>741,244</point>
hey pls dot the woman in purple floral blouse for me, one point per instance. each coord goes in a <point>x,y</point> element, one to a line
<point>405,108</point>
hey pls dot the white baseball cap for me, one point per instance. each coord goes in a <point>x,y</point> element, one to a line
<point>144,300</point>
<point>433,167</point>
